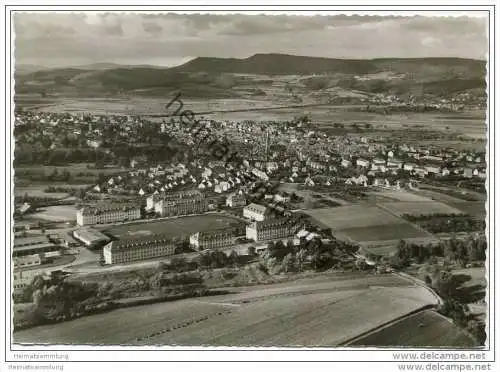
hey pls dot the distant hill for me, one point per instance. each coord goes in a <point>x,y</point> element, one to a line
<point>266,73</point>
<point>283,64</point>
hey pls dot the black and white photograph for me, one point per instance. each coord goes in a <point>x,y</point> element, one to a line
<point>250,179</point>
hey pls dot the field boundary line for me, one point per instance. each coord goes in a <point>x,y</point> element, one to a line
<point>386,324</point>
<point>408,222</point>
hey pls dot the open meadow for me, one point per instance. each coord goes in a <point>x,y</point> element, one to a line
<point>177,226</point>
<point>324,311</point>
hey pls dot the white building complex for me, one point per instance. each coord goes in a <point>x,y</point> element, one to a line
<point>107,213</point>
<point>138,248</point>
<point>178,204</point>
<point>255,212</point>
<point>212,239</point>
<point>271,229</point>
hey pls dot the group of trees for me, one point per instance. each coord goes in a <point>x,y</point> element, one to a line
<point>280,257</point>
<point>456,296</point>
<point>449,224</point>
<point>217,259</point>
<point>460,251</point>
<point>56,299</point>
<point>162,279</point>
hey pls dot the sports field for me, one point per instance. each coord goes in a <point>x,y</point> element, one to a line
<point>180,226</point>
<point>310,312</point>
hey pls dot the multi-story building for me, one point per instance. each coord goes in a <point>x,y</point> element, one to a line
<point>179,203</point>
<point>271,229</point>
<point>185,194</point>
<point>255,212</point>
<point>107,213</point>
<point>212,239</point>
<point>180,207</point>
<point>236,200</point>
<point>138,248</point>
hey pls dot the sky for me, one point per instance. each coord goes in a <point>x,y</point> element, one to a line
<point>73,39</point>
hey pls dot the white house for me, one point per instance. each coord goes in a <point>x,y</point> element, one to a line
<point>363,163</point>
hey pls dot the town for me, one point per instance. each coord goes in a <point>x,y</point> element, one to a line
<point>157,191</point>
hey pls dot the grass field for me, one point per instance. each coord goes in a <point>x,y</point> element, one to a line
<point>310,312</point>
<point>426,328</point>
<point>181,226</point>
<point>419,208</point>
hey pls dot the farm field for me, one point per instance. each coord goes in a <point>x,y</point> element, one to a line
<point>383,232</point>
<point>348,217</point>
<point>419,208</point>
<point>403,196</point>
<point>477,274</point>
<point>180,226</point>
<point>389,247</point>
<point>364,223</point>
<point>302,313</point>
<point>56,213</point>
<point>475,209</point>
<point>438,196</point>
<point>80,175</point>
<point>470,123</point>
<point>426,328</point>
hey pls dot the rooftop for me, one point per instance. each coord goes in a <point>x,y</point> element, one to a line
<point>102,208</point>
<point>90,234</point>
<point>256,208</point>
<point>19,242</point>
<point>131,242</point>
